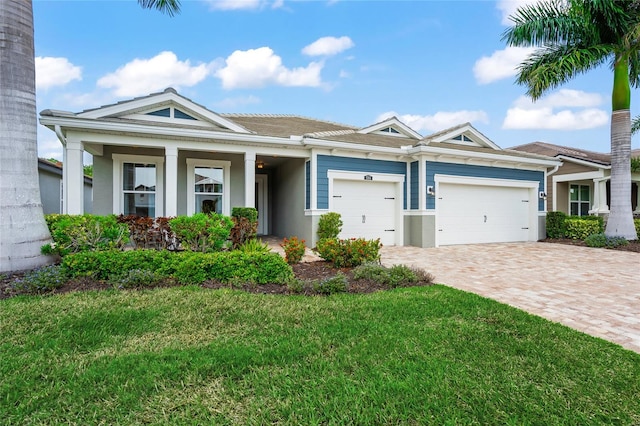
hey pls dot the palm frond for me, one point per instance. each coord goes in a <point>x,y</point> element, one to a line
<point>170,7</point>
<point>545,22</point>
<point>552,66</point>
<point>635,125</point>
<point>634,69</point>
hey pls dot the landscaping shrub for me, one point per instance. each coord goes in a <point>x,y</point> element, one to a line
<point>555,224</point>
<point>336,284</point>
<point>147,232</point>
<point>329,225</point>
<point>293,249</point>
<point>636,222</point>
<point>295,285</point>
<point>255,246</point>
<point>349,252</point>
<point>396,276</point>
<point>259,268</point>
<point>245,225</point>
<point>87,232</point>
<point>601,240</point>
<point>579,228</point>
<point>115,264</point>
<point>41,280</point>
<point>202,232</point>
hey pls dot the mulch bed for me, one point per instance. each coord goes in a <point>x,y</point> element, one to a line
<point>306,271</point>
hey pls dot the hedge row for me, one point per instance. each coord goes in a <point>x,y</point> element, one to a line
<point>185,267</point>
<point>559,225</point>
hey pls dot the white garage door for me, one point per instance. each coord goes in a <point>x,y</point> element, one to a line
<point>470,214</point>
<point>368,209</point>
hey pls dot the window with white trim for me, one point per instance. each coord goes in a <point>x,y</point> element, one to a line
<point>137,185</point>
<point>208,186</point>
<point>579,200</point>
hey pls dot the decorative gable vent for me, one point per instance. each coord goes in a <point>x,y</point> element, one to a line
<point>462,138</point>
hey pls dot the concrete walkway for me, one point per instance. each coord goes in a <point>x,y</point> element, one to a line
<point>596,291</point>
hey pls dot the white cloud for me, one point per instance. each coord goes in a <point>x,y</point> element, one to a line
<point>50,148</point>
<point>562,98</point>
<point>344,74</point>
<point>243,4</point>
<point>260,67</point>
<point>508,8</point>
<point>328,46</point>
<point>55,72</point>
<point>143,76</point>
<point>501,64</point>
<point>562,110</point>
<point>438,121</point>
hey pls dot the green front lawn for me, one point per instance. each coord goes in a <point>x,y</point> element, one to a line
<point>422,355</point>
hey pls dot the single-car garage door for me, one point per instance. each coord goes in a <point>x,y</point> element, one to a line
<point>368,209</point>
<point>471,214</point>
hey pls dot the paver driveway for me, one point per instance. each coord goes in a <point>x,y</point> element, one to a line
<point>596,291</point>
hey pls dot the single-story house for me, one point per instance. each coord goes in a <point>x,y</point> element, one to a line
<point>386,180</point>
<point>50,176</point>
<point>581,185</point>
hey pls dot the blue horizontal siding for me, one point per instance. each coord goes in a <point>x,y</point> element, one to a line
<point>347,164</point>
<point>434,168</point>
<point>415,182</point>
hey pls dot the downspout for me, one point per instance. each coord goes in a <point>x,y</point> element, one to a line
<point>546,190</point>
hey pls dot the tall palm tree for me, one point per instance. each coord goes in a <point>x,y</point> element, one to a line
<point>573,37</point>
<point>22,227</point>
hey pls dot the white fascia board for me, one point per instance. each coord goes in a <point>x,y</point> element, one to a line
<point>438,151</point>
<point>347,146</point>
<point>143,129</point>
<point>583,162</point>
<point>166,98</point>
<point>598,174</point>
<point>219,145</point>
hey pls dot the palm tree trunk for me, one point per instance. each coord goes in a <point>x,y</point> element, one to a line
<point>620,222</point>
<point>22,227</point>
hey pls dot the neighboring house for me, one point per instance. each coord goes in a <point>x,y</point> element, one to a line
<point>386,180</point>
<point>581,186</point>
<point>50,175</point>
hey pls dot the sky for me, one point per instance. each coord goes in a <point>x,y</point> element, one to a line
<point>433,64</point>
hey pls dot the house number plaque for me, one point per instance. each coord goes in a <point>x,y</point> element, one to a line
<point>368,177</point>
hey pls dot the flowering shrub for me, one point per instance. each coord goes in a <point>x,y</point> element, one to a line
<point>293,249</point>
<point>147,232</point>
<point>41,280</point>
<point>336,284</point>
<point>351,252</point>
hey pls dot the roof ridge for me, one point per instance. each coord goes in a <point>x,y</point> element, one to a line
<point>331,133</point>
<point>268,115</point>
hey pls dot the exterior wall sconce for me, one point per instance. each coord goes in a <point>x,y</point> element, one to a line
<point>260,164</point>
<point>542,194</point>
<point>431,190</point>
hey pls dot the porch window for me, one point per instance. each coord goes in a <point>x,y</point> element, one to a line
<point>137,183</point>
<point>208,186</point>
<point>580,200</point>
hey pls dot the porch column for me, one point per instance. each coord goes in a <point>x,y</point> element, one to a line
<point>250,179</point>
<point>602,190</point>
<point>171,179</point>
<point>73,188</point>
<point>637,210</point>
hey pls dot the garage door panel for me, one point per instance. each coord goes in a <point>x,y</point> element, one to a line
<point>469,214</point>
<point>367,209</point>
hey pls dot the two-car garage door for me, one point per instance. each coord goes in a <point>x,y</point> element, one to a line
<point>470,214</point>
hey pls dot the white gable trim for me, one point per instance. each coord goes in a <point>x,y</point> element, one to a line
<point>392,122</point>
<point>166,99</point>
<point>469,131</point>
<point>583,162</point>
